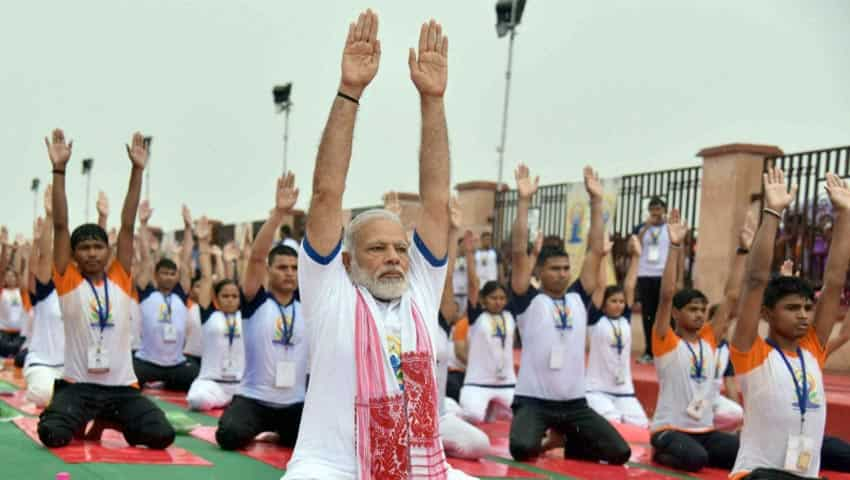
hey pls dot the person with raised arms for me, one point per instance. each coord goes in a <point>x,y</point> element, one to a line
<point>781,376</point>
<point>550,391</point>
<point>94,300</point>
<point>270,397</point>
<point>372,407</point>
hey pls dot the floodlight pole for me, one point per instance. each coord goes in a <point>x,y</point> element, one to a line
<point>285,108</point>
<point>88,193</point>
<point>505,110</point>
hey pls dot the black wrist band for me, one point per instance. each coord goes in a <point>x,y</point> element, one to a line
<point>743,251</point>
<point>348,97</point>
<point>58,172</point>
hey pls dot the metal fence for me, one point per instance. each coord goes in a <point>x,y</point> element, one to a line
<point>806,229</point>
<point>680,188</point>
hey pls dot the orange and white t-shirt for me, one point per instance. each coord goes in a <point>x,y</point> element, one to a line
<point>79,307</point>
<point>771,407</point>
<point>684,371</point>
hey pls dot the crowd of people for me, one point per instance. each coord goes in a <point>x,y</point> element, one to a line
<point>375,352</point>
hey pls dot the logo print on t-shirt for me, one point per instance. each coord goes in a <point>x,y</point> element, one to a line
<point>693,370</point>
<point>163,315</point>
<point>278,329</point>
<point>394,346</point>
<point>563,317</point>
<point>813,402</point>
<point>236,332</point>
<point>94,319</point>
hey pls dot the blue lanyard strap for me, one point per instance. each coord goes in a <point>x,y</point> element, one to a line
<point>802,391</point>
<point>231,326</point>
<point>102,313</point>
<point>167,299</point>
<point>618,334</point>
<point>697,362</point>
<point>561,305</point>
<point>289,329</point>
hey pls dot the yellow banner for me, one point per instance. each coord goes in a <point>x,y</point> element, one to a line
<point>578,223</point>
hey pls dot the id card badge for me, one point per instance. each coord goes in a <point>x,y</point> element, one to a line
<point>501,373</point>
<point>654,253</point>
<point>800,453</point>
<point>697,405</point>
<point>98,359</point>
<point>169,333</point>
<point>556,357</point>
<point>284,375</point>
<point>620,378</point>
<point>228,370</point>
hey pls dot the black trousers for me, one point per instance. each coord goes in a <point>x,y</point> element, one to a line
<point>10,343</point>
<point>588,436</point>
<point>21,357</point>
<point>774,474</point>
<point>454,384</point>
<point>245,418</point>
<point>178,377</point>
<point>835,455</point>
<point>75,404</point>
<point>693,451</point>
<point>648,289</point>
<point>193,360</point>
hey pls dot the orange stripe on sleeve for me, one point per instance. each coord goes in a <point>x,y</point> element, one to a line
<point>120,277</point>
<point>461,330</point>
<point>747,361</point>
<point>68,281</point>
<point>663,346</point>
<point>811,342</point>
<point>26,300</point>
<point>707,334</point>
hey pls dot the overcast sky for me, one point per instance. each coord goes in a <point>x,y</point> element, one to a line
<point>628,86</point>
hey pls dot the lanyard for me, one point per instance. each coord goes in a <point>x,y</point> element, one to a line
<point>288,329</point>
<point>501,327</point>
<point>231,326</point>
<point>697,363</point>
<point>618,334</point>
<point>561,305</point>
<point>102,313</point>
<point>655,233</point>
<point>167,299</point>
<point>801,390</point>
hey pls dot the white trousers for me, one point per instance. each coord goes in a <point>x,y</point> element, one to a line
<point>618,409</point>
<point>728,415</point>
<point>462,439</point>
<point>40,380</point>
<point>208,394</point>
<point>475,400</point>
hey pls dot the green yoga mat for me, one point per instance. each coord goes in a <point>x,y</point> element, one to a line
<point>181,422</point>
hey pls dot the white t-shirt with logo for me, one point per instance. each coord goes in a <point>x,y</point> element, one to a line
<point>491,348</point>
<point>609,368</point>
<point>266,325</point>
<point>163,326</point>
<point>487,266</point>
<point>223,357</point>
<point>325,448</point>
<point>653,255</point>
<point>550,328</point>
<point>47,341</point>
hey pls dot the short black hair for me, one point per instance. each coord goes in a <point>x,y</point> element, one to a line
<point>281,249</point>
<point>223,283</point>
<point>490,287</point>
<point>611,290</point>
<point>781,287</point>
<point>686,296</point>
<point>195,279</point>
<point>657,201</point>
<point>286,230</point>
<point>88,231</point>
<point>165,263</point>
<point>550,251</point>
<point>486,234</point>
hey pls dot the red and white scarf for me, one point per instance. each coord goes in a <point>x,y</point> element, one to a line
<point>397,434</point>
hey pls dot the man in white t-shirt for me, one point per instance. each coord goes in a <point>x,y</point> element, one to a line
<point>95,301</point>
<point>781,376</point>
<point>550,389</point>
<point>655,246</point>
<point>486,260</point>
<point>372,407</point>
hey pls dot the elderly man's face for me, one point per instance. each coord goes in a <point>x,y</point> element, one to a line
<point>380,260</point>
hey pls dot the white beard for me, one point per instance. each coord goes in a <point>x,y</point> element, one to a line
<point>384,289</point>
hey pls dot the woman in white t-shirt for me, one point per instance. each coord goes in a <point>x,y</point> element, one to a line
<point>223,359</point>
<point>490,376</point>
<point>610,390</point>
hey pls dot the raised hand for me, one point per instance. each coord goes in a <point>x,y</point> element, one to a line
<point>102,204</point>
<point>392,203</point>
<point>187,216</point>
<point>676,227</point>
<point>538,244</point>
<point>455,214</point>
<point>203,229</point>
<point>19,240</point>
<point>58,151</point>
<point>776,194</point>
<point>230,252</point>
<point>430,71</point>
<point>4,235</point>
<point>145,212</point>
<point>607,245</point>
<point>48,200</point>
<point>215,251</point>
<point>36,229</point>
<point>113,236</point>
<point>748,232</point>
<point>526,188</point>
<point>592,183</point>
<point>634,246</point>
<point>287,193</point>
<point>138,151</point>
<point>839,194</point>
<point>787,269</point>
<point>361,55</point>
<point>468,242</point>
